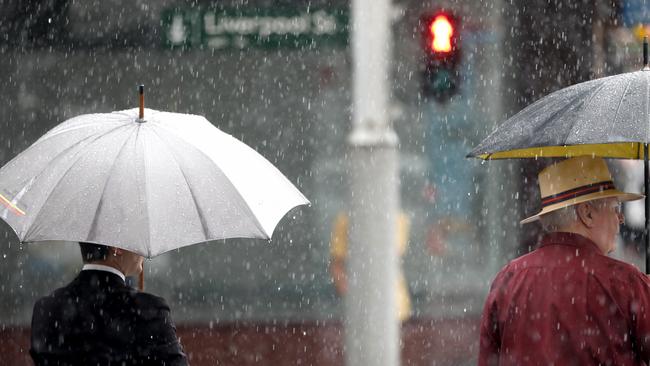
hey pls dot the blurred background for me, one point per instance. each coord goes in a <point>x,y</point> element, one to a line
<point>278,76</point>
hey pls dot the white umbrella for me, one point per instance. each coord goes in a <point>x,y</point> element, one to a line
<point>146,185</point>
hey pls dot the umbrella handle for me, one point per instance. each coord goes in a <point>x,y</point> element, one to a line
<point>141,279</point>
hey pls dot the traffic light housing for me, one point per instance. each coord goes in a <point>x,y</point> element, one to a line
<point>441,50</point>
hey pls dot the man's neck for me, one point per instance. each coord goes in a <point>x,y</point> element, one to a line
<point>581,230</point>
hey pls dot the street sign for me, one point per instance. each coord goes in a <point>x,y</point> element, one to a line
<point>251,27</point>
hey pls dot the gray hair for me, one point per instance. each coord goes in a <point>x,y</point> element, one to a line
<point>558,219</point>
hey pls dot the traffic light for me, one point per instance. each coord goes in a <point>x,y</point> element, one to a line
<point>441,48</point>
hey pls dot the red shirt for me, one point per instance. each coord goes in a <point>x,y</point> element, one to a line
<point>566,303</point>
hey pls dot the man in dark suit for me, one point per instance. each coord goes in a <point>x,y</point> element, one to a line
<point>99,320</point>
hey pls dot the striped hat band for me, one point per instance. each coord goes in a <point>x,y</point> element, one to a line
<point>577,192</point>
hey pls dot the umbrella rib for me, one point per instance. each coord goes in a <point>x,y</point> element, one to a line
<point>79,156</point>
<point>247,207</point>
<point>70,147</point>
<point>620,102</point>
<point>591,96</point>
<point>93,225</point>
<point>140,186</point>
<point>56,131</point>
<point>204,226</point>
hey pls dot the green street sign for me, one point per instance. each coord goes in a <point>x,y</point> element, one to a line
<point>248,27</point>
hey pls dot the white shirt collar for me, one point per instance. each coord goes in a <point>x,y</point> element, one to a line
<point>101,267</point>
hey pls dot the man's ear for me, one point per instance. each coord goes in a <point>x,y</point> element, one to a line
<point>585,213</point>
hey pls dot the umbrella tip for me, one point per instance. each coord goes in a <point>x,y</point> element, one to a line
<point>141,93</point>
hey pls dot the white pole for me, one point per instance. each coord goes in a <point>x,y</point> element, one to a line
<point>499,184</point>
<point>371,321</point>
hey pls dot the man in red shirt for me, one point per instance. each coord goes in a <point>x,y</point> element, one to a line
<point>567,302</point>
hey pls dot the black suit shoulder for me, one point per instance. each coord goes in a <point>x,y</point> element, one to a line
<point>145,300</point>
<point>97,319</point>
<point>156,331</point>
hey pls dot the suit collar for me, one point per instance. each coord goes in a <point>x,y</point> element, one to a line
<point>101,277</point>
<point>101,267</point>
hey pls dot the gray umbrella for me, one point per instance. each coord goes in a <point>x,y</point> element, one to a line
<point>607,117</point>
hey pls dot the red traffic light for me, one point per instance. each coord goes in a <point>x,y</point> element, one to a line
<point>441,32</point>
<point>441,56</point>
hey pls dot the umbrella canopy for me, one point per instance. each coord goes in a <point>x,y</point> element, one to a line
<point>146,185</point>
<point>607,117</point>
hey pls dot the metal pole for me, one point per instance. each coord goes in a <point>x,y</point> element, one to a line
<point>502,221</point>
<point>371,319</point>
<point>646,232</point>
<point>645,53</point>
<point>646,176</point>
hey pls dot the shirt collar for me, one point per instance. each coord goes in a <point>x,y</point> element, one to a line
<point>101,267</point>
<point>572,239</point>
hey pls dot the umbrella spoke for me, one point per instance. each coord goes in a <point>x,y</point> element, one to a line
<point>229,189</point>
<point>618,107</point>
<point>57,185</point>
<point>93,230</point>
<point>579,100</point>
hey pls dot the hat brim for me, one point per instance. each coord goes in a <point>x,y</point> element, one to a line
<point>622,196</point>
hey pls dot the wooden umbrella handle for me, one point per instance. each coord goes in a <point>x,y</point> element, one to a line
<point>141,279</point>
<point>141,92</point>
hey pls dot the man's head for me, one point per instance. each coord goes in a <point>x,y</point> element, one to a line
<point>598,220</point>
<point>91,252</point>
<point>578,195</point>
<point>125,261</point>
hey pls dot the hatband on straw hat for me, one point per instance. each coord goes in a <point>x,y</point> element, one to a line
<point>576,180</point>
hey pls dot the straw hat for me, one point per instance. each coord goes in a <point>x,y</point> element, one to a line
<point>574,181</point>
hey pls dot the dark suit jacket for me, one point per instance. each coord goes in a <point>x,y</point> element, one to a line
<point>98,320</point>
